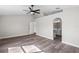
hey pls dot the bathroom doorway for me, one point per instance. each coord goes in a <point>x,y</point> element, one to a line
<point>57,29</point>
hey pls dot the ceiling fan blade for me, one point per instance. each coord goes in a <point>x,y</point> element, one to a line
<point>30,9</point>
<point>37,10</point>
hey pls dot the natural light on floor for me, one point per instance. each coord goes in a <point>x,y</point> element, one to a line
<point>25,49</point>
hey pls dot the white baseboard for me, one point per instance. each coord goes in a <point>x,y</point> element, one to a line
<point>44,36</point>
<point>14,36</point>
<point>70,44</point>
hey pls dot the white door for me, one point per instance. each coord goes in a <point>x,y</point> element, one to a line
<point>32,27</point>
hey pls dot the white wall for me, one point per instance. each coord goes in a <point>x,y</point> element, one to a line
<point>11,26</point>
<point>44,25</point>
<point>71,26</point>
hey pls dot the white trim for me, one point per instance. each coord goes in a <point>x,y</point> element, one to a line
<point>44,36</point>
<point>70,44</point>
<point>13,36</point>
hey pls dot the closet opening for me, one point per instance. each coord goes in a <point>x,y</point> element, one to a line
<point>57,29</point>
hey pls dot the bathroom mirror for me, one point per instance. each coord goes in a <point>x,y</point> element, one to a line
<point>57,29</point>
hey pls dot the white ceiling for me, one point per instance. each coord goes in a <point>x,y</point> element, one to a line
<point>18,9</point>
<point>11,9</point>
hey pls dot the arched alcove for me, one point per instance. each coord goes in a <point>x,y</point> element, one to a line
<point>57,29</point>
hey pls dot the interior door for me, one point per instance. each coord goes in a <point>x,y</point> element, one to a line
<point>32,27</point>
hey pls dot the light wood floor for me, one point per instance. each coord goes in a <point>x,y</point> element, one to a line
<point>46,45</point>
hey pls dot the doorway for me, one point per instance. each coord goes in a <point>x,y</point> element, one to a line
<point>57,29</point>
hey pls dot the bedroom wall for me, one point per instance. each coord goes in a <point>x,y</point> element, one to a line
<point>71,26</point>
<point>17,25</point>
<point>44,25</point>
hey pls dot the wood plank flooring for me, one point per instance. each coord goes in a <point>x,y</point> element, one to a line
<point>44,44</point>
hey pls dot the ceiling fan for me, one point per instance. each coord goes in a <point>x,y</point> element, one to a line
<point>32,10</point>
